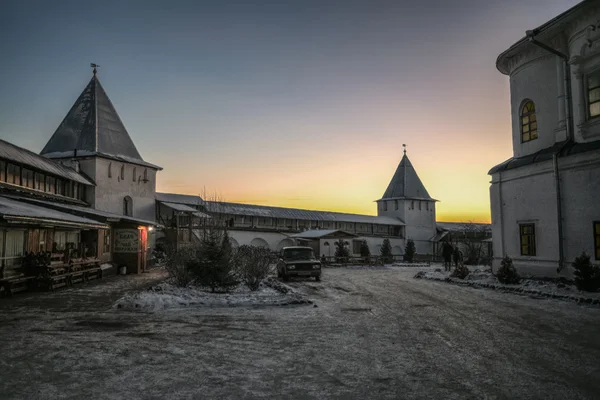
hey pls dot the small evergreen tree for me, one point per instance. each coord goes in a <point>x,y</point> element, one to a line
<point>386,251</point>
<point>212,266</point>
<point>587,276</point>
<point>341,251</point>
<point>364,249</point>
<point>410,251</point>
<point>507,273</point>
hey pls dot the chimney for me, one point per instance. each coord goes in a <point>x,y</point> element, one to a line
<point>74,162</point>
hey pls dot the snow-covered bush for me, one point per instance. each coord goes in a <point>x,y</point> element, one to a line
<point>460,271</point>
<point>253,264</point>
<point>587,276</point>
<point>386,251</point>
<point>507,273</point>
<point>409,251</point>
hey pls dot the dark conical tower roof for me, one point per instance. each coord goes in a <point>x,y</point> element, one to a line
<point>92,125</point>
<point>406,183</point>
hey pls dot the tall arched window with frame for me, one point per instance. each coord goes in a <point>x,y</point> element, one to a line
<point>529,129</point>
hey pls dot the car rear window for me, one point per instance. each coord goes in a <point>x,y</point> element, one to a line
<point>298,254</point>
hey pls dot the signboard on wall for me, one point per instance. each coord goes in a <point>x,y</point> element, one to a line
<point>126,241</point>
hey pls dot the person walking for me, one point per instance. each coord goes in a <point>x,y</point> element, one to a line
<point>447,251</point>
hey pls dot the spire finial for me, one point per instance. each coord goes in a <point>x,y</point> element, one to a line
<point>403,145</point>
<point>95,66</point>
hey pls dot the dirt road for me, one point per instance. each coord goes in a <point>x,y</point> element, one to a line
<point>376,334</point>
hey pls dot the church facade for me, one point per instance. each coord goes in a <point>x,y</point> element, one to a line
<point>544,199</point>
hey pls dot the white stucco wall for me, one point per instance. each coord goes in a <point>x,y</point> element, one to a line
<point>580,184</point>
<point>110,191</point>
<point>420,225</point>
<point>528,196</point>
<point>420,222</point>
<point>536,81</point>
<point>528,193</point>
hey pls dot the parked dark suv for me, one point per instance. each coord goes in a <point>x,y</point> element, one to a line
<point>298,261</point>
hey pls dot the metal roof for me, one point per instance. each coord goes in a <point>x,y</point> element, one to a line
<point>184,208</point>
<point>294,213</point>
<point>187,199</point>
<point>562,148</point>
<point>542,29</point>
<point>319,233</point>
<point>93,125</point>
<point>84,153</point>
<point>11,152</point>
<point>461,226</point>
<point>13,210</point>
<point>87,211</point>
<point>405,183</point>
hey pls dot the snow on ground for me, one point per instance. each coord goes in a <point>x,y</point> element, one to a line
<point>376,334</point>
<point>481,275</point>
<point>167,296</point>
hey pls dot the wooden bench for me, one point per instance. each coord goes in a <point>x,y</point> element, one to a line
<point>16,284</point>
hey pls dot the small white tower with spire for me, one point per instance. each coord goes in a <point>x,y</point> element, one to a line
<point>407,199</point>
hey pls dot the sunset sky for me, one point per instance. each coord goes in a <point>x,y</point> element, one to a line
<point>297,104</point>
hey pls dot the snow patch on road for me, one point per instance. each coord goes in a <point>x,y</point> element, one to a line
<point>485,279</point>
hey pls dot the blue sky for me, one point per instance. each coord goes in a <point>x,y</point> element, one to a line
<point>302,104</point>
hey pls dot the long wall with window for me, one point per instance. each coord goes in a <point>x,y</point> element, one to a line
<point>25,176</point>
<point>16,241</point>
<point>295,225</point>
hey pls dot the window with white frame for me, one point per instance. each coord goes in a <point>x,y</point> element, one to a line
<point>529,129</point>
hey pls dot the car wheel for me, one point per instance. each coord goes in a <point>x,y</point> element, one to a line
<point>318,278</point>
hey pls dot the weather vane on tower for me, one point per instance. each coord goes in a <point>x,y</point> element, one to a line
<point>403,145</point>
<point>95,66</point>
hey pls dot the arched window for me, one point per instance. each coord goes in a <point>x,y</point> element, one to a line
<point>110,170</point>
<point>134,173</point>
<point>128,206</point>
<point>528,122</point>
<point>145,174</point>
<point>122,171</point>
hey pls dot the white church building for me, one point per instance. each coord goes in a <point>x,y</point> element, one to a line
<point>545,199</point>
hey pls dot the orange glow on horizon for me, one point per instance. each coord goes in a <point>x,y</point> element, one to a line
<point>350,185</point>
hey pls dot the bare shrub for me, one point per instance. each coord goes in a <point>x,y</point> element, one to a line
<point>253,264</point>
<point>460,272</point>
<point>177,265</point>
